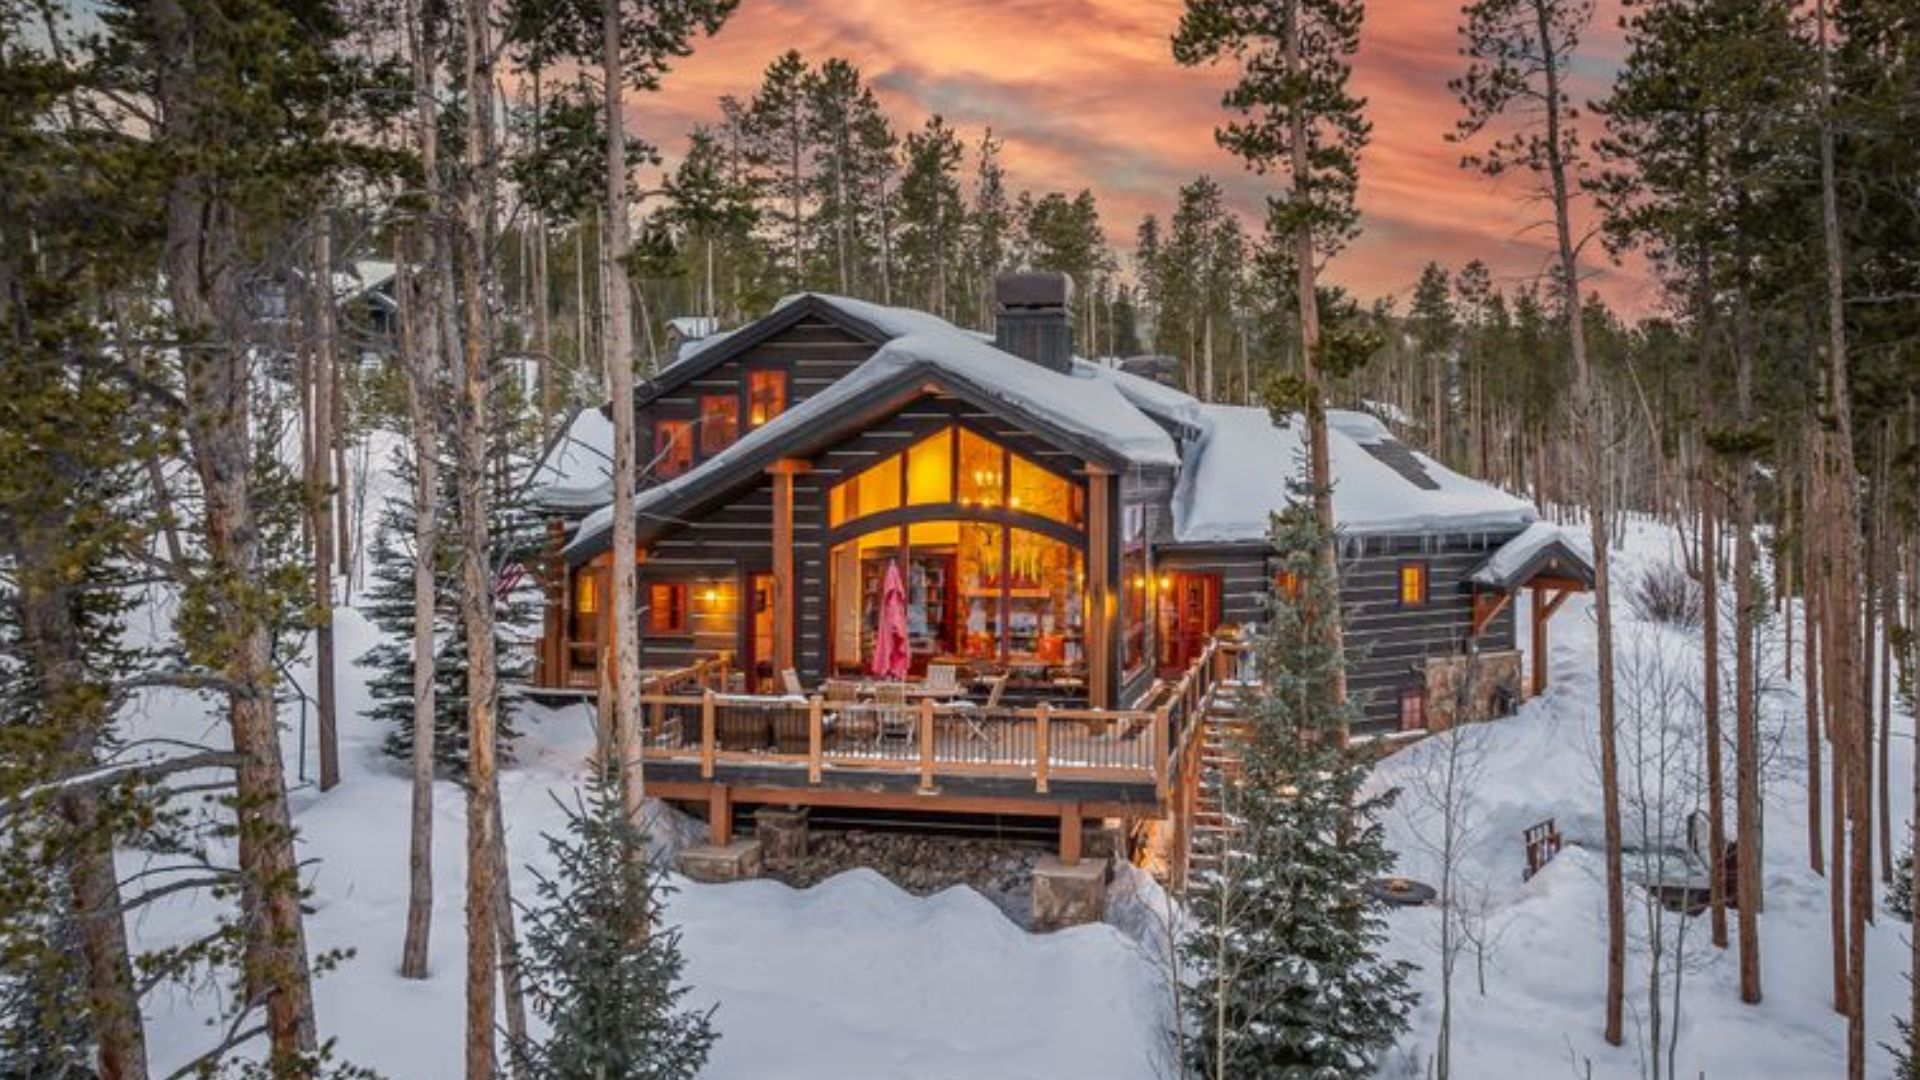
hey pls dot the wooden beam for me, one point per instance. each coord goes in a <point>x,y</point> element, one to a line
<point>1042,736</point>
<point>696,791</point>
<point>815,737</point>
<point>719,815</point>
<point>1101,608</point>
<point>1070,825</point>
<point>1559,597</point>
<point>1540,613</point>
<point>782,566</point>
<point>706,734</point>
<point>1486,608</point>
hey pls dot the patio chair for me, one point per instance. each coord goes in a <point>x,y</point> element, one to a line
<point>790,683</point>
<point>890,708</point>
<point>976,713</point>
<point>839,716</point>
<point>943,677</point>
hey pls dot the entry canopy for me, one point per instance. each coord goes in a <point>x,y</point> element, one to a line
<point>1541,552</point>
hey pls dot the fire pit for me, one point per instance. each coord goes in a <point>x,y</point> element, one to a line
<point>1400,891</point>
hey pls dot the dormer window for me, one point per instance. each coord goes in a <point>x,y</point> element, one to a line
<point>766,396</point>
<point>719,422</point>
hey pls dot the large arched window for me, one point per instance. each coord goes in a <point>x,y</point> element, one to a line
<point>991,548</point>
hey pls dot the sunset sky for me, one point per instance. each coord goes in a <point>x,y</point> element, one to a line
<point>1086,93</point>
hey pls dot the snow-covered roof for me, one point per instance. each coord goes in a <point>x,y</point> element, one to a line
<point>1542,546</point>
<point>693,327</point>
<point>1080,404</point>
<point>1234,462</point>
<point>1236,474</point>
<point>576,473</point>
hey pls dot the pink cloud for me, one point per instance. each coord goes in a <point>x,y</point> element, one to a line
<point>1085,93</point>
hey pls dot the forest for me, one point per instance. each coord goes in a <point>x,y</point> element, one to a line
<point>260,257</point>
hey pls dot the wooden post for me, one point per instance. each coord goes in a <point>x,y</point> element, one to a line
<point>1101,608</point>
<point>1539,640</point>
<point>719,815</point>
<point>1162,749</point>
<point>1042,736</point>
<point>926,745</point>
<point>1070,823</point>
<point>706,734</point>
<point>814,739</point>
<point>783,597</point>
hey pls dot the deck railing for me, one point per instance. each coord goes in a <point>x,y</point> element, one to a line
<point>689,721</point>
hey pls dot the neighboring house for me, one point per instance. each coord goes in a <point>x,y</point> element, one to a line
<point>1078,528</point>
<point>1075,543</point>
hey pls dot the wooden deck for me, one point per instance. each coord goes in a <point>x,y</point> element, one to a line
<point>706,746</point>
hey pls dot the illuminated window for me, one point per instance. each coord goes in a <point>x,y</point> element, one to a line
<point>766,396</point>
<point>1413,584</point>
<point>672,447</point>
<point>930,469</point>
<point>719,422</point>
<point>1413,708</point>
<point>981,466</point>
<point>667,607</point>
<point>1287,584</point>
<point>586,594</point>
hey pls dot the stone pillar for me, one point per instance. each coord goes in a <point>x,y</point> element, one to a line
<point>782,832</point>
<point>1066,895</point>
<point>717,864</point>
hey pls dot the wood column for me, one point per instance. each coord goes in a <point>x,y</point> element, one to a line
<point>783,473</point>
<point>1101,608</point>
<point>1539,640</point>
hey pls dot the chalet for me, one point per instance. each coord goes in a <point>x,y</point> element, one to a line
<point>1072,538</point>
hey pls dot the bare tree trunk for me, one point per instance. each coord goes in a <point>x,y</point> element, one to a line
<point>1587,435</point>
<point>1710,645</point>
<point>423,321</point>
<point>321,495</point>
<point>200,261</point>
<point>1319,463</point>
<point>1810,609</point>
<point>618,360</point>
<point>1848,712</point>
<point>52,639</point>
<point>476,592</point>
<point>1885,575</point>
<point>1746,809</point>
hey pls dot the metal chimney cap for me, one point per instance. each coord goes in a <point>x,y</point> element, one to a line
<point>1033,289</point>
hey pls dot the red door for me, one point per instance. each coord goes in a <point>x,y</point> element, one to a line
<point>1189,614</point>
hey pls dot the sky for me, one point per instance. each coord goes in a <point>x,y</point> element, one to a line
<point>1085,93</point>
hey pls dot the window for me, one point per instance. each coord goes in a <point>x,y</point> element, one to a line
<point>719,422</point>
<point>672,447</point>
<point>766,396</point>
<point>1413,708</point>
<point>667,607</point>
<point>1287,584</point>
<point>958,466</point>
<point>1413,584</point>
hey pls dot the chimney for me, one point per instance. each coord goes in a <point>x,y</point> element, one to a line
<point>1033,317</point>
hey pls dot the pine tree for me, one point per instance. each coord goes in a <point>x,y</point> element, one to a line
<point>932,217</point>
<point>1287,980</point>
<point>990,228</point>
<point>603,970</point>
<point>1900,889</point>
<point>388,603</point>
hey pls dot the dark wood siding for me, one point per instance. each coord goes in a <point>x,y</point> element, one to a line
<point>1388,643</point>
<point>813,352</point>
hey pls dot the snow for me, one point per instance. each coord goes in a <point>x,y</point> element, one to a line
<point>577,473</point>
<point>1236,476</point>
<point>1515,554</point>
<point>851,978</point>
<point>1546,980</point>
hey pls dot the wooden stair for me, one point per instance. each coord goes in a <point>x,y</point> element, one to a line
<point>1220,765</point>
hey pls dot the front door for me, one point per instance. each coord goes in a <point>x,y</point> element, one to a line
<point>1189,614</point>
<point>760,671</point>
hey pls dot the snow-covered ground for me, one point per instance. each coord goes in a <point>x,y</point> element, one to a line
<point>1541,1015</point>
<point>856,978</point>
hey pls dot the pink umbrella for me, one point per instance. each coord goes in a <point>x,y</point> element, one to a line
<point>890,649</point>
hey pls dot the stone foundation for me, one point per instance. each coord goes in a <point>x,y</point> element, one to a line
<point>1463,689</point>
<point>717,865</point>
<point>782,833</point>
<point>1068,895</point>
<point>1107,840</point>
